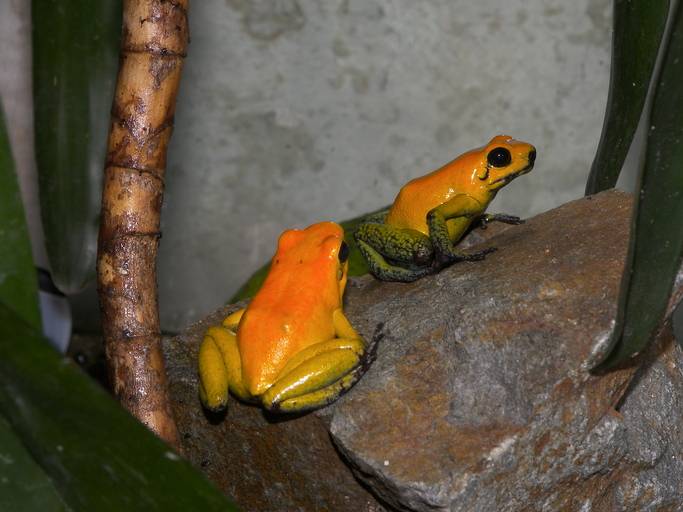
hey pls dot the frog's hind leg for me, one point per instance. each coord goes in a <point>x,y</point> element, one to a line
<point>379,242</point>
<point>220,365</point>
<point>385,271</point>
<point>322,372</point>
<point>398,244</point>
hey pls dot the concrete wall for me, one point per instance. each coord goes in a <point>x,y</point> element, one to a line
<point>293,111</point>
<point>320,110</point>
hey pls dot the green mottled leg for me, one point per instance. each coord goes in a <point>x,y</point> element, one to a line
<point>461,209</point>
<point>377,242</point>
<point>401,245</point>
<point>387,272</point>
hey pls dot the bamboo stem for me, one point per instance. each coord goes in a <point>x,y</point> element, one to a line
<point>154,42</point>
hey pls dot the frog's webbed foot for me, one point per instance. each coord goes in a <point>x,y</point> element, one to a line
<point>220,365</point>
<point>487,218</point>
<point>443,260</point>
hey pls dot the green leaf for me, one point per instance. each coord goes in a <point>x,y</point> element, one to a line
<point>656,248</point>
<point>96,454</point>
<point>23,484</point>
<point>249,289</point>
<point>357,264</point>
<point>75,58</point>
<point>18,282</point>
<point>638,29</point>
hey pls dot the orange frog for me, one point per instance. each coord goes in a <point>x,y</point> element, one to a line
<point>417,234</point>
<point>291,349</point>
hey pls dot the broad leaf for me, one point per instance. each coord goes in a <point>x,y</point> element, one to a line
<point>75,58</point>
<point>98,456</point>
<point>23,484</point>
<point>18,283</point>
<point>656,249</point>
<point>638,29</point>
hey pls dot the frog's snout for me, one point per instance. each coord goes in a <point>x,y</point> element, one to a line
<point>532,156</point>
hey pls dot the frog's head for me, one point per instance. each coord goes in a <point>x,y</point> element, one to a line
<point>502,160</point>
<point>316,256</point>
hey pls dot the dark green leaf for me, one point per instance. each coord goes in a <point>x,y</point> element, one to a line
<point>98,456</point>
<point>656,250</point>
<point>75,58</point>
<point>357,264</point>
<point>249,289</point>
<point>18,283</point>
<point>23,484</point>
<point>638,29</point>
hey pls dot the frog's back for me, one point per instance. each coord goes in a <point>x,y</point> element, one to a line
<point>420,195</point>
<point>292,310</point>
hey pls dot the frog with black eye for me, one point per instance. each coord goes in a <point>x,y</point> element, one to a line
<point>417,235</point>
<point>292,348</point>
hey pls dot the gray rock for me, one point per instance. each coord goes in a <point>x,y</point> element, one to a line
<point>263,463</point>
<point>480,398</point>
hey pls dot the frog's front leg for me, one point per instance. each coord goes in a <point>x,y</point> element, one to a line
<point>447,223</point>
<point>320,373</point>
<point>377,242</point>
<point>220,365</point>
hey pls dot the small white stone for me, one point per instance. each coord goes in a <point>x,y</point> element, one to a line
<point>171,456</point>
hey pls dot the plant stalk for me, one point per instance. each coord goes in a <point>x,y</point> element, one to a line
<point>154,43</point>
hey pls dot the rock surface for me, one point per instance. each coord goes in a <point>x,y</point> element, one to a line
<point>480,397</point>
<point>263,464</point>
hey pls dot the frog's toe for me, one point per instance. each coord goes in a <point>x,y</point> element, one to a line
<point>443,260</point>
<point>499,217</point>
<point>478,256</point>
<point>215,403</point>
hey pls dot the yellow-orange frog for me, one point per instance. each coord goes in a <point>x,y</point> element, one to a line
<point>292,348</point>
<point>417,234</point>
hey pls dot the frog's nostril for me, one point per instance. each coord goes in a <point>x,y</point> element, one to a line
<point>532,156</point>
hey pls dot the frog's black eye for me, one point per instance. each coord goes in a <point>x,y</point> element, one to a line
<point>343,252</point>
<point>499,157</point>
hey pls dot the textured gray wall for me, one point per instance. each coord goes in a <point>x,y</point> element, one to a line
<point>293,111</point>
<point>296,111</point>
